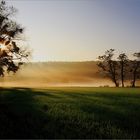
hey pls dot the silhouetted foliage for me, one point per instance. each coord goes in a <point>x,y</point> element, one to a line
<point>121,69</point>
<point>109,66</point>
<point>11,54</point>
<point>135,70</point>
<point>123,61</point>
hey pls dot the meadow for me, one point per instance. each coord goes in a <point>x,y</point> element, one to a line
<point>69,112</point>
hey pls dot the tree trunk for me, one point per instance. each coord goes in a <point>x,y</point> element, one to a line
<point>112,72</point>
<point>114,80</point>
<point>116,84</point>
<point>133,83</point>
<point>134,75</point>
<point>122,73</point>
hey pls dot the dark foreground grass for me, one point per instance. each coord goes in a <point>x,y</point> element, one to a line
<point>70,113</point>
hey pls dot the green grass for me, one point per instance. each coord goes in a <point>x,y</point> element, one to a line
<point>70,113</point>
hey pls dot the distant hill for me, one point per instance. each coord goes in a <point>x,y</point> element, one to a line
<point>44,74</point>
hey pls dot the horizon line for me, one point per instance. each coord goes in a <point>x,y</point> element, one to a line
<point>64,61</point>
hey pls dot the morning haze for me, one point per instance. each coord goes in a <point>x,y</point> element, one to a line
<point>48,74</point>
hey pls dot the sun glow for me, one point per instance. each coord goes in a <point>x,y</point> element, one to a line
<point>2,47</point>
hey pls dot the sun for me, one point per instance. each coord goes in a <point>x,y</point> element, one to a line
<point>2,47</point>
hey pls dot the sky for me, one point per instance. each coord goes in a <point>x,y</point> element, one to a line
<point>78,30</point>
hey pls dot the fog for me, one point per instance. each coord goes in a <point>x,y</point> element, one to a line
<point>56,74</point>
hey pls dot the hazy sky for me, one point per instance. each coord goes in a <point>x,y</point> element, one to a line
<point>73,30</point>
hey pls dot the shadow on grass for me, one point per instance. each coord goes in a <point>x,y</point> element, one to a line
<point>20,116</point>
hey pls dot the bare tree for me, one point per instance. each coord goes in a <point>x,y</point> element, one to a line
<point>109,66</point>
<point>135,69</point>
<point>123,60</point>
<point>11,54</point>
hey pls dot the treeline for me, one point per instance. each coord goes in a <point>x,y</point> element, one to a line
<point>121,69</point>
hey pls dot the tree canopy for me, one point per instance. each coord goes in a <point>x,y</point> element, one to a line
<point>12,53</point>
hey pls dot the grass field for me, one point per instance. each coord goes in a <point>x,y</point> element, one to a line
<point>70,113</point>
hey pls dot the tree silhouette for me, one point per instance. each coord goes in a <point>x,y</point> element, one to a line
<point>123,59</point>
<point>135,69</point>
<point>11,54</point>
<point>121,69</point>
<point>109,66</point>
